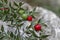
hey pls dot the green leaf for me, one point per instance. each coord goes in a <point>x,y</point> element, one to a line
<point>33,16</point>
<point>44,24</point>
<point>2,37</point>
<point>28,32</point>
<point>14,15</point>
<point>33,34</point>
<point>6,11</point>
<point>2,28</point>
<point>12,7</point>
<point>16,4</point>
<point>9,4</point>
<point>30,25</point>
<point>1,4</point>
<point>19,24</point>
<point>8,32</point>
<point>4,17</point>
<point>39,20</point>
<point>34,9</point>
<point>20,4</point>
<point>6,1</point>
<point>2,0</point>
<point>11,34</point>
<point>44,36</point>
<point>17,38</point>
<point>15,31</point>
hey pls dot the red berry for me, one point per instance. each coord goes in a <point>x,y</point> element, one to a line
<point>3,8</point>
<point>29,18</point>
<point>37,27</point>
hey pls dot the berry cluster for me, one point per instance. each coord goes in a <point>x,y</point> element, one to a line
<point>37,26</point>
<point>17,16</point>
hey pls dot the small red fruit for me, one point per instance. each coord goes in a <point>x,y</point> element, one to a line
<point>3,8</point>
<point>37,27</point>
<point>29,18</point>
